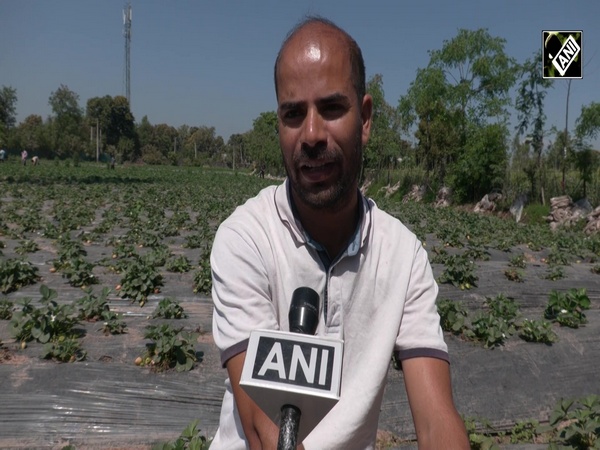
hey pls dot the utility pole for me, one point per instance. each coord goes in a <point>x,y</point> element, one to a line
<point>127,33</point>
<point>97,142</point>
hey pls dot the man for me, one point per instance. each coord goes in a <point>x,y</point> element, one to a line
<point>376,286</point>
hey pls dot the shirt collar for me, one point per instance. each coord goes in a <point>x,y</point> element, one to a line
<point>289,216</point>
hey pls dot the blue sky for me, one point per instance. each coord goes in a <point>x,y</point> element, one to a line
<point>211,63</point>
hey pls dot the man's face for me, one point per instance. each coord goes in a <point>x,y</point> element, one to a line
<point>322,123</point>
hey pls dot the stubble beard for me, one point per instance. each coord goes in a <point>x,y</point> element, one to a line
<point>327,197</point>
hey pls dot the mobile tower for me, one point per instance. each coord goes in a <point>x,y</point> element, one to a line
<point>127,35</point>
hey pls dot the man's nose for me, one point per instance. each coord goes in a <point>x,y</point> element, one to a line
<point>314,129</point>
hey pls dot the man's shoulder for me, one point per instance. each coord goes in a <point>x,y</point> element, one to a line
<point>255,211</point>
<point>386,220</point>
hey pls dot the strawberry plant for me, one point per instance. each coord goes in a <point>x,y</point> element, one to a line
<point>190,439</point>
<point>554,273</point>
<point>518,261</point>
<point>6,309</point>
<point>170,348</point>
<point>567,308</point>
<point>203,278</point>
<point>158,256</point>
<point>514,274</point>
<point>537,331</point>
<point>16,273</point>
<point>477,253</point>
<point>577,424</point>
<point>178,264</point>
<point>43,324</point>
<point>64,349</point>
<point>558,257</point>
<point>194,241</point>
<point>68,250</point>
<point>169,309</point>
<point>112,323</point>
<point>139,281</point>
<point>452,316</point>
<point>26,246</point>
<point>497,324</point>
<point>91,307</point>
<point>459,271</point>
<point>79,272</point>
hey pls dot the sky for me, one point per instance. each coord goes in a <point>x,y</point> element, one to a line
<point>211,63</point>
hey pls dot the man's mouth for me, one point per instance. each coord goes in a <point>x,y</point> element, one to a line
<point>316,171</point>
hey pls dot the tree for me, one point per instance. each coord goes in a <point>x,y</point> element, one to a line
<point>32,135</point>
<point>385,143</point>
<point>587,127</point>
<point>530,111</point>
<point>116,124</point>
<point>588,122</point>
<point>263,142</point>
<point>67,122</point>
<point>8,111</point>
<point>456,98</point>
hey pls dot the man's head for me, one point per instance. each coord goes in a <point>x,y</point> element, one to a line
<point>356,58</point>
<point>324,116</point>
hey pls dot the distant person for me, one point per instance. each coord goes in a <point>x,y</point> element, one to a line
<point>112,162</point>
<point>24,157</point>
<point>35,160</point>
<point>2,155</point>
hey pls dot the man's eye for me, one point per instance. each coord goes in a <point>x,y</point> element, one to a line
<point>292,114</point>
<point>333,111</point>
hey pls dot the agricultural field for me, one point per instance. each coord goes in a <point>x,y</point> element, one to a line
<point>105,312</point>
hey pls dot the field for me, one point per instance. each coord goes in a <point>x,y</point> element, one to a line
<point>108,253</point>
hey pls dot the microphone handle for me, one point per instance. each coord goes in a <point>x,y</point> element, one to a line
<point>288,427</point>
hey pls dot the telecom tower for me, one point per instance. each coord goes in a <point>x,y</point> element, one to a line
<point>127,34</point>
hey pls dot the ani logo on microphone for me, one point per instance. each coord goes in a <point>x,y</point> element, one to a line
<point>294,362</point>
<point>562,54</point>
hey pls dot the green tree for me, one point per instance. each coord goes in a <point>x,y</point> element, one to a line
<point>66,122</point>
<point>8,111</point>
<point>587,125</point>
<point>116,125</point>
<point>530,113</point>
<point>462,92</point>
<point>385,142</point>
<point>263,142</point>
<point>32,135</point>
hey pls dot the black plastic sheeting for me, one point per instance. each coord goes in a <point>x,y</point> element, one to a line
<point>108,402</point>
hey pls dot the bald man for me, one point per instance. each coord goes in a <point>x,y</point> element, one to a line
<point>376,286</point>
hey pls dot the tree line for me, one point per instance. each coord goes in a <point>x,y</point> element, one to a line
<point>451,128</point>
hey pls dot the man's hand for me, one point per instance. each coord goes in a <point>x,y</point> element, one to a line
<point>437,423</point>
<point>261,433</point>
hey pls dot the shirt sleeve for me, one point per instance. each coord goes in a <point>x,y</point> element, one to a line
<point>240,292</point>
<point>420,332</point>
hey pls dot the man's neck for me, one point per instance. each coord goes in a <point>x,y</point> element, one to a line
<point>330,228</point>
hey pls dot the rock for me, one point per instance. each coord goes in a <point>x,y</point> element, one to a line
<point>488,202</point>
<point>416,194</point>
<point>444,197</point>
<point>516,209</point>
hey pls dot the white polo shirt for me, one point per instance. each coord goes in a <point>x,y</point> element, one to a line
<point>380,298</point>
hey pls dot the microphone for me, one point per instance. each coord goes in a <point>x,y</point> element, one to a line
<point>304,319</point>
<point>295,369</point>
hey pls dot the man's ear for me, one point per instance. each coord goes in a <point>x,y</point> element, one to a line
<point>366,114</point>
